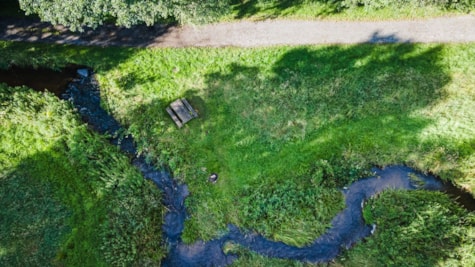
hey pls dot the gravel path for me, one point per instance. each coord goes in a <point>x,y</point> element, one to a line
<point>456,29</point>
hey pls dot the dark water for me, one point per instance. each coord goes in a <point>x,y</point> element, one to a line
<point>39,79</point>
<point>348,226</point>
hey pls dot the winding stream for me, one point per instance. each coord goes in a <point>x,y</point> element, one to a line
<point>347,228</point>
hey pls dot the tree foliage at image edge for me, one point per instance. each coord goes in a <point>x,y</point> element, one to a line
<point>91,13</point>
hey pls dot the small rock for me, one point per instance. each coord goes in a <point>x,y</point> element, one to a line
<point>83,72</point>
<point>373,229</point>
<point>213,178</point>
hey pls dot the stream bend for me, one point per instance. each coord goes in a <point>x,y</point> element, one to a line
<point>348,226</point>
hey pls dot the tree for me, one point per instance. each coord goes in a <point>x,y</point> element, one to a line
<point>92,13</point>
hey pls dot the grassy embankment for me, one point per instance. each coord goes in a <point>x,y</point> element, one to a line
<point>69,198</point>
<point>286,127</point>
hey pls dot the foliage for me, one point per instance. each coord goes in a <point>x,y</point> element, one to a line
<point>266,115</point>
<point>92,207</point>
<point>413,229</point>
<point>288,210</point>
<point>79,14</point>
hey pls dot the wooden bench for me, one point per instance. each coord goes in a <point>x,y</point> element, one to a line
<point>181,112</point>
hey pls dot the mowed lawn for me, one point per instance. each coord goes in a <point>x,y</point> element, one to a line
<point>286,127</point>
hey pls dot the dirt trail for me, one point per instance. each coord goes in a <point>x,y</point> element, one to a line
<point>457,29</point>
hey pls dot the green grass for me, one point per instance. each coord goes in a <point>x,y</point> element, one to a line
<point>67,197</point>
<point>285,127</point>
<point>267,115</point>
<point>416,229</point>
<point>336,10</point>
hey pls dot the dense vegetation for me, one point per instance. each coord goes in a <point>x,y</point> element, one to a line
<point>78,14</point>
<point>416,229</point>
<point>67,196</point>
<point>286,127</point>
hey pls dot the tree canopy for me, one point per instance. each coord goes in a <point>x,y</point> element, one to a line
<point>92,13</point>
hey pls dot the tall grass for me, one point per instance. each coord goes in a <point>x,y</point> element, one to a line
<point>307,120</point>
<point>69,198</point>
<point>416,229</point>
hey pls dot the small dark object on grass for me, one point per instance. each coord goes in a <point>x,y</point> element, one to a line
<point>213,178</point>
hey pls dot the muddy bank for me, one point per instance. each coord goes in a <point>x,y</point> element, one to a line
<point>348,227</point>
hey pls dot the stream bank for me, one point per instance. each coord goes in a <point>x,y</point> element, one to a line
<point>348,227</point>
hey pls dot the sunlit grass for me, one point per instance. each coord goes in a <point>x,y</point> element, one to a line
<point>332,10</point>
<point>266,114</point>
<point>304,117</point>
<point>414,229</point>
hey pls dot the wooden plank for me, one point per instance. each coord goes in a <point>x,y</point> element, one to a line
<point>180,110</point>
<point>190,109</point>
<point>174,117</point>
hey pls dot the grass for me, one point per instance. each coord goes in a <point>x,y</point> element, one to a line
<point>336,10</point>
<point>267,115</point>
<point>67,197</point>
<point>311,9</point>
<point>415,229</point>
<point>285,127</point>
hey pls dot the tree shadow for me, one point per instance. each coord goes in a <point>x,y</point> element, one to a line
<point>274,9</point>
<point>331,85</point>
<point>33,30</point>
<point>353,105</point>
<point>33,222</point>
<point>38,55</point>
<point>378,38</point>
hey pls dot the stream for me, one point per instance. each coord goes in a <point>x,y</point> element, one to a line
<point>348,227</point>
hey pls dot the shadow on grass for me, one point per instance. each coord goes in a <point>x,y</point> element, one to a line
<point>354,106</point>
<point>274,9</point>
<point>53,56</point>
<point>33,223</point>
<point>326,102</point>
